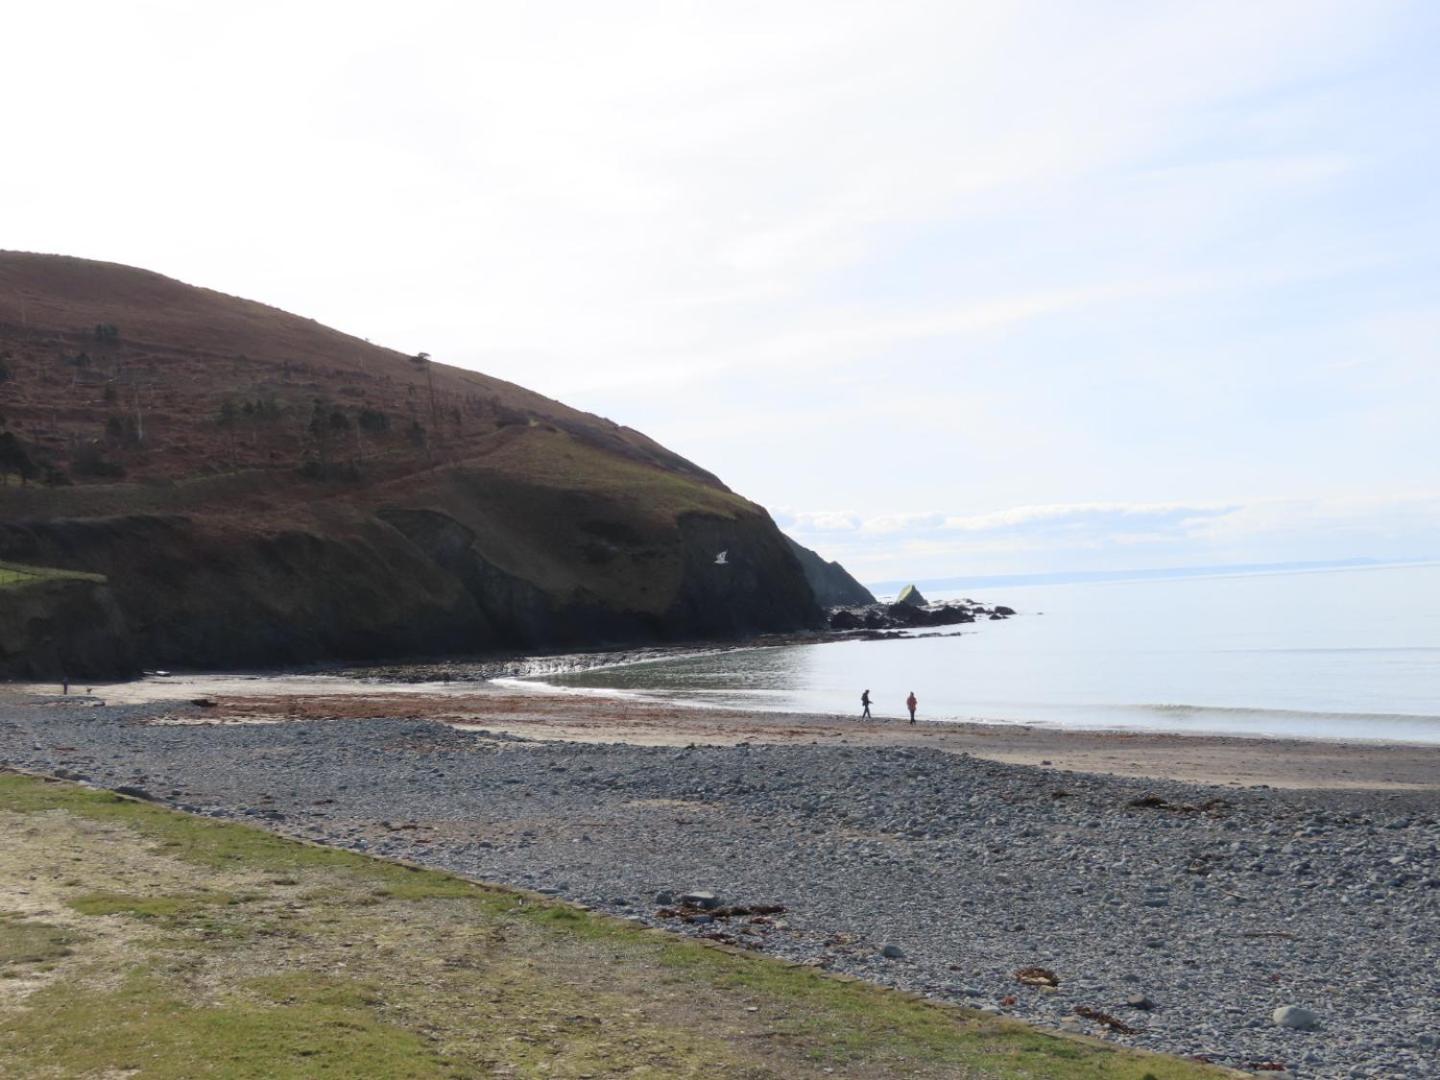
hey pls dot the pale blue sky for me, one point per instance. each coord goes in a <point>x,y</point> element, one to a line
<point>953,288</point>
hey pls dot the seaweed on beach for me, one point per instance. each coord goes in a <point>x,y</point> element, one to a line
<point>1112,1022</point>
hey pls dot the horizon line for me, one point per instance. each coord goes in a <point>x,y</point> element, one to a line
<point>1077,577</point>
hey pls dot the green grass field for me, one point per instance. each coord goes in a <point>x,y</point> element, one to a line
<point>136,941</point>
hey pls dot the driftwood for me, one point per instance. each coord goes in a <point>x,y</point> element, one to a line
<point>1037,976</point>
<point>1112,1022</point>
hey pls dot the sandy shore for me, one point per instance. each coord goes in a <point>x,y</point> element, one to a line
<point>1206,759</point>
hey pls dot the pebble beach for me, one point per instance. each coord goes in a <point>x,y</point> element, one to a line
<point>1280,930</point>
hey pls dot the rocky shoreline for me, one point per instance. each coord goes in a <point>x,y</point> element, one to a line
<point>1177,917</point>
<point>901,615</point>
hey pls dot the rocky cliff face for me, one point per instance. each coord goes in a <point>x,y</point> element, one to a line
<point>182,593</point>
<point>829,581</point>
<point>258,490</point>
<point>56,627</point>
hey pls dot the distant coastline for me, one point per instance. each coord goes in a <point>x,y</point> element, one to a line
<point>1081,577</point>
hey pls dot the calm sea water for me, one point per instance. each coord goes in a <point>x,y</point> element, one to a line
<point>1349,654</point>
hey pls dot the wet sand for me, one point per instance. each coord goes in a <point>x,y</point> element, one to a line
<point>574,717</point>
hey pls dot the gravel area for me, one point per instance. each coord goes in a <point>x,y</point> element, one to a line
<point>1191,914</point>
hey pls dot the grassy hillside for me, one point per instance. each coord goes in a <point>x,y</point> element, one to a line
<point>111,367</point>
<point>13,575</point>
<point>136,941</point>
<point>261,489</point>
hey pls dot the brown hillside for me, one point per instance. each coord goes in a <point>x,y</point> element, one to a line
<point>167,396</point>
<point>258,488</point>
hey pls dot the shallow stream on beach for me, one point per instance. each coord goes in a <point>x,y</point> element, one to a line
<point>1351,654</point>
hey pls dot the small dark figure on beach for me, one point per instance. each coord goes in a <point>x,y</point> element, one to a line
<point>910,703</point>
<point>865,703</point>
<point>65,689</point>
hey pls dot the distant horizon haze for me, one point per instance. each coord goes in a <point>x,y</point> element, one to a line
<point>1137,574</point>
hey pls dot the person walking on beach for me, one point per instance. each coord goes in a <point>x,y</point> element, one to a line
<point>910,704</point>
<point>865,704</point>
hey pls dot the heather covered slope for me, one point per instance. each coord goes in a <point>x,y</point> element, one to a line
<point>256,489</point>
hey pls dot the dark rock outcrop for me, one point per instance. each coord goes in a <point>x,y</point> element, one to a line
<point>62,627</point>
<point>187,593</point>
<point>831,583</point>
<point>898,616</point>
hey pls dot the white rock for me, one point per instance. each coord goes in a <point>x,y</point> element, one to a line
<point>1293,1016</point>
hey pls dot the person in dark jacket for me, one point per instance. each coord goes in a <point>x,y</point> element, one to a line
<point>910,703</point>
<point>865,704</point>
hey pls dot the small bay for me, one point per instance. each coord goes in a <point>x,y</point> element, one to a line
<point>1337,654</point>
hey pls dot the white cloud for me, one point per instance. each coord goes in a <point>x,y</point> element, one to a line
<point>1125,535</point>
<point>1069,513</point>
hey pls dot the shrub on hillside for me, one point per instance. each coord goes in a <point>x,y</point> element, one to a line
<point>90,461</point>
<point>122,430</point>
<point>263,410</point>
<point>15,460</point>
<point>321,470</point>
<point>373,421</point>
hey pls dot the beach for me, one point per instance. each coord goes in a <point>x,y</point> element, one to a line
<point>1154,877</point>
<point>596,718</point>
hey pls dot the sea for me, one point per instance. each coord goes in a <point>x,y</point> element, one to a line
<point>1333,654</point>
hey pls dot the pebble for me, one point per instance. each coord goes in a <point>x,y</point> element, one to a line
<point>1293,1016</point>
<point>977,866</point>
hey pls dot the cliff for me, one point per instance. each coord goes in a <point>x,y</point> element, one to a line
<point>258,489</point>
<point>829,581</point>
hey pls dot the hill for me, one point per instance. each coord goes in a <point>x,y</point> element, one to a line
<point>256,489</point>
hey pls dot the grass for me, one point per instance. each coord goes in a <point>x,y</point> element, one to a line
<point>26,944</point>
<point>157,945</point>
<point>172,908</point>
<point>14,574</point>
<point>560,462</point>
<point>147,1031</point>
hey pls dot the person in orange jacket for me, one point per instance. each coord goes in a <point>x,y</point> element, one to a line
<point>910,704</point>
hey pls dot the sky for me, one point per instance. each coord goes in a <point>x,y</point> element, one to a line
<point>959,288</point>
